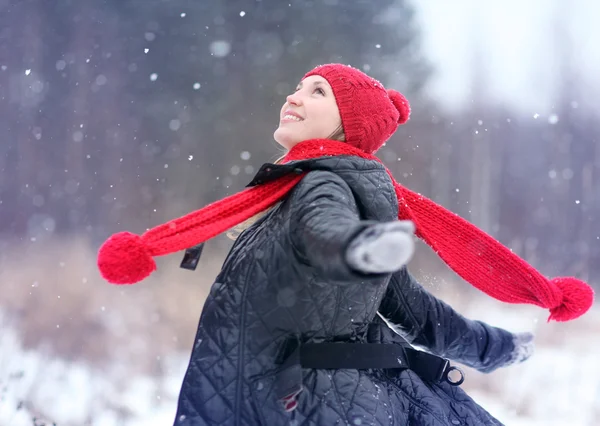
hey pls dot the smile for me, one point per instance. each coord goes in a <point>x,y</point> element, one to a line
<point>291,117</point>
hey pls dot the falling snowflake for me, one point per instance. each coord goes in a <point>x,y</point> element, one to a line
<point>220,48</point>
<point>174,124</point>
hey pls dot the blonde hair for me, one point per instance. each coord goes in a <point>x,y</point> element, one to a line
<point>233,233</point>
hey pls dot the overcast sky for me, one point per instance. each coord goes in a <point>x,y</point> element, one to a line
<point>518,44</point>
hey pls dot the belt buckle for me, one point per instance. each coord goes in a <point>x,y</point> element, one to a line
<point>445,371</point>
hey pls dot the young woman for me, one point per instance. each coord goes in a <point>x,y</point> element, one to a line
<point>311,320</point>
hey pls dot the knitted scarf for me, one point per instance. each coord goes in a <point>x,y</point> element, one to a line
<point>126,258</point>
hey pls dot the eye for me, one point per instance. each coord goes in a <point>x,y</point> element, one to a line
<point>320,91</point>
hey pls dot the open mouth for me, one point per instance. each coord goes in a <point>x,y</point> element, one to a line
<point>291,117</point>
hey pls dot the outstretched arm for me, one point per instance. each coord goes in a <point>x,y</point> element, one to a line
<point>426,321</point>
<point>327,232</point>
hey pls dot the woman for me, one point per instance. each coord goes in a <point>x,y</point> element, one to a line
<point>297,328</point>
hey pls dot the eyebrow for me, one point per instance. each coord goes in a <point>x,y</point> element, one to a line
<point>316,83</point>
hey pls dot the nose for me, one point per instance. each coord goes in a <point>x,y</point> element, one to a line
<point>293,99</point>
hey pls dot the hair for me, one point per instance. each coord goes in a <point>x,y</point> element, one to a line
<point>233,233</point>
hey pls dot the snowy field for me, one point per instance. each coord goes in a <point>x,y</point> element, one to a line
<point>90,354</point>
<point>558,386</point>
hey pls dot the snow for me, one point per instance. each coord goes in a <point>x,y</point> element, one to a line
<point>220,48</point>
<point>559,385</point>
<point>73,393</point>
<point>175,124</point>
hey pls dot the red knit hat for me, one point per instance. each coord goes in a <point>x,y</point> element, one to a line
<point>479,259</point>
<point>370,113</point>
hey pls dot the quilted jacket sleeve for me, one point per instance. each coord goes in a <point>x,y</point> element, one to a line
<point>426,321</point>
<point>324,219</point>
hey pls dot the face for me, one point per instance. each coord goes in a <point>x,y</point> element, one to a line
<point>309,113</point>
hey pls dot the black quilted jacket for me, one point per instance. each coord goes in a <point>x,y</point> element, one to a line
<point>285,278</point>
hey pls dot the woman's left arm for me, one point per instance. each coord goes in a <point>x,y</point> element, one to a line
<point>428,322</point>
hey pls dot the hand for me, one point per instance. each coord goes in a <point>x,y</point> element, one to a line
<point>382,248</point>
<point>524,347</point>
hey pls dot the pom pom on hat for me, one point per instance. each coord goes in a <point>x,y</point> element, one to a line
<point>401,105</point>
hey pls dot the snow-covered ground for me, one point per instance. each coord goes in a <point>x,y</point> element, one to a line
<point>560,385</point>
<point>74,394</point>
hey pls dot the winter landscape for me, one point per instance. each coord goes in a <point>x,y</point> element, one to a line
<point>120,115</point>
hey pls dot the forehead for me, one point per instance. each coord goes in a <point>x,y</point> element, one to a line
<point>313,79</point>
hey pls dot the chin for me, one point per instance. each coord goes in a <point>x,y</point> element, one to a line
<point>283,138</point>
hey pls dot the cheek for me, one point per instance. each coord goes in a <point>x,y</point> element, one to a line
<point>330,115</point>
<point>336,117</point>
<point>331,121</point>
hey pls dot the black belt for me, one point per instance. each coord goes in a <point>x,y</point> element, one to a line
<point>361,356</point>
<point>377,355</point>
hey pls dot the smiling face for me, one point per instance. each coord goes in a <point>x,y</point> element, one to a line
<point>309,113</point>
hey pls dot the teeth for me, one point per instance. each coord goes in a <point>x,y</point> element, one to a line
<point>291,117</point>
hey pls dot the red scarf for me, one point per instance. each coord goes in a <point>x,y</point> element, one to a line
<point>479,259</point>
